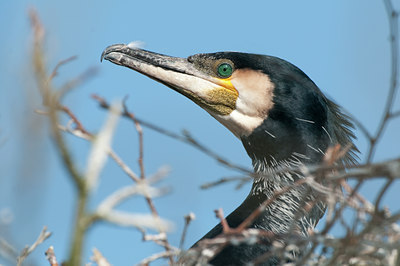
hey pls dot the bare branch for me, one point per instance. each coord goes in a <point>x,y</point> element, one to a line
<point>124,193</point>
<point>101,145</point>
<point>51,256</point>
<point>78,124</point>
<point>185,138</point>
<point>136,220</point>
<point>224,180</point>
<point>188,218</point>
<point>7,251</point>
<point>394,45</point>
<point>225,226</point>
<point>140,134</point>
<point>59,64</point>
<point>157,256</point>
<point>88,136</point>
<point>99,259</point>
<point>44,234</point>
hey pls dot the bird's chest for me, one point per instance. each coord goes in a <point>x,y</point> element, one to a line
<point>281,205</point>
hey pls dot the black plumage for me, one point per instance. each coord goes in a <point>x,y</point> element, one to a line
<point>292,124</point>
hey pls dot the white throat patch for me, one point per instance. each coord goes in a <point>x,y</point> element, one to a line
<point>253,103</point>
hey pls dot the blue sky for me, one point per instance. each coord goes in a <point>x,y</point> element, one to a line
<point>342,45</point>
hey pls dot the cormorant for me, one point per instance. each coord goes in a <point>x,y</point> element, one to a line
<point>279,114</point>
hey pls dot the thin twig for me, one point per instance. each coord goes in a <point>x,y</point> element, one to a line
<point>59,64</point>
<point>51,256</point>
<point>185,138</point>
<point>8,251</point>
<point>225,180</point>
<point>188,218</point>
<point>164,254</point>
<point>382,192</point>
<point>44,234</point>
<point>89,137</point>
<point>394,47</point>
<point>123,166</point>
<point>99,259</point>
<point>78,124</point>
<point>149,200</point>
<point>139,130</point>
<point>140,135</point>
<point>225,226</point>
<point>51,99</point>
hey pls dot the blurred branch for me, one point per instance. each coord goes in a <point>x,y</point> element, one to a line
<point>105,209</point>
<point>224,180</point>
<point>373,233</point>
<point>88,136</point>
<point>188,218</point>
<point>99,259</point>
<point>185,137</point>
<point>157,256</point>
<point>361,171</point>
<point>59,64</point>
<point>44,234</point>
<point>136,220</point>
<point>51,256</point>
<point>124,193</point>
<point>100,147</point>
<point>78,124</point>
<point>8,251</point>
<point>219,213</point>
<point>51,99</point>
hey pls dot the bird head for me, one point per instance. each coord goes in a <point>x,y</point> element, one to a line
<point>268,103</point>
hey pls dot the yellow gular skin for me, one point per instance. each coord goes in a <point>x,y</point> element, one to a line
<point>228,85</point>
<point>222,99</point>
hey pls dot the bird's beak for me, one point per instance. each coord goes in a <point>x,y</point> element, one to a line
<point>214,95</point>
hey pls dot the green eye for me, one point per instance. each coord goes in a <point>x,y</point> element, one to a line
<point>225,70</point>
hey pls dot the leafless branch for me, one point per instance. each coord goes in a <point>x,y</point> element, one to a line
<point>224,180</point>
<point>157,256</point>
<point>394,47</point>
<point>148,198</point>
<point>60,64</point>
<point>101,147</point>
<point>51,256</point>
<point>8,251</point>
<point>44,234</point>
<point>185,137</point>
<point>372,236</point>
<point>99,259</point>
<point>188,218</point>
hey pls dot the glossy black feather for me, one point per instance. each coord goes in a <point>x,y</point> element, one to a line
<point>303,121</point>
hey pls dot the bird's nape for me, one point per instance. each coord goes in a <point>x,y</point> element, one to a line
<point>282,119</point>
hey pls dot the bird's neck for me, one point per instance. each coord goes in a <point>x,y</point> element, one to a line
<point>273,156</point>
<point>271,149</point>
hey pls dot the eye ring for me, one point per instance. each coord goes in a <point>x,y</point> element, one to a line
<point>224,70</point>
